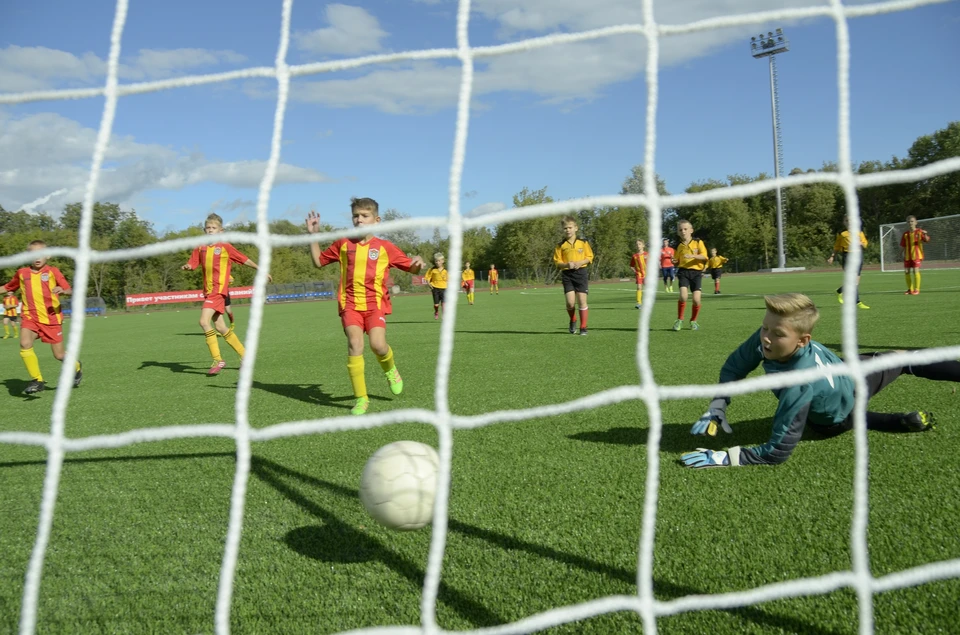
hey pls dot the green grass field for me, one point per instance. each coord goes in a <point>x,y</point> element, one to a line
<point>543,513</point>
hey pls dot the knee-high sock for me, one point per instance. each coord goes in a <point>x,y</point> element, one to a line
<point>937,371</point>
<point>639,296</point>
<point>583,317</point>
<point>916,277</point>
<point>716,284</point>
<point>681,309</point>
<point>6,329</point>
<point>214,346</point>
<point>470,297</point>
<point>234,342</point>
<point>695,313</point>
<point>909,277</point>
<point>355,370</point>
<point>31,362</point>
<point>386,362</point>
<point>572,312</point>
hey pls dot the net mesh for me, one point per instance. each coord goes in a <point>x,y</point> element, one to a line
<point>943,250</point>
<point>647,390</point>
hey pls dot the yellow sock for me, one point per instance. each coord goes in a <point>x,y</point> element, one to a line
<point>234,342</point>
<point>470,297</point>
<point>212,344</point>
<point>386,362</point>
<point>6,330</point>
<point>31,362</point>
<point>355,369</point>
<point>909,277</point>
<point>639,296</point>
<point>916,285</point>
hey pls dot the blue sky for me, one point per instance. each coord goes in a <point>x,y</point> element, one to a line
<point>569,117</point>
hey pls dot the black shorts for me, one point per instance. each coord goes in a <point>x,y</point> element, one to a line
<point>438,295</point>
<point>691,278</point>
<point>12,318</point>
<point>843,261</point>
<point>716,273</point>
<point>575,280</point>
<point>876,382</point>
<point>226,299</point>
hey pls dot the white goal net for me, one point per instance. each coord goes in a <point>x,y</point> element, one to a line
<point>857,576</point>
<point>943,250</point>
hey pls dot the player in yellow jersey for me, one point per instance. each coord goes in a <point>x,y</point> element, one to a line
<point>572,256</point>
<point>10,303</point>
<point>841,246</point>
<point>638,262</point>
<point>494,280</point>
<point>715,267</point>
<point>467,278</point>
<point>691,258</point>
<point>436,278</point>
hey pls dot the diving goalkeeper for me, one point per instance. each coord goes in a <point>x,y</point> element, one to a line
<point>783,343</point>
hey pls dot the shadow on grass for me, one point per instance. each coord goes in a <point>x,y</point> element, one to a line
<point>335,541</point>
<point>502,332</point>
<point>308,393</point>
<point>122,459</point>
<point>15,387</point>
<point>676,437</point>
<point>175,367</point>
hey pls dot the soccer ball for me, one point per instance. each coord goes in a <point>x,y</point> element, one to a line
<point>399,483</point>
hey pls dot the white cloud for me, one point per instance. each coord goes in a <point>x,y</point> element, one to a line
<point>47,156</point>
<point>486,208</point>
<point>352,31</point>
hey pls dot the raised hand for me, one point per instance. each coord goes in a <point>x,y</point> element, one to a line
<point>313,222</point>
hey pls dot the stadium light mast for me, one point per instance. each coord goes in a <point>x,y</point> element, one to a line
<point>769,46</point>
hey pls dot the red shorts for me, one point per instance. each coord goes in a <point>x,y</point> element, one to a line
<point>639,278</point>
<point>49,333</point>
<point>468,285</point>
<point>364,319</point>
<point>216,301</point>
<point>911,264</point>
<point>494,282</point>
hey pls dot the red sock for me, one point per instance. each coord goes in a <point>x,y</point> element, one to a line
<point>583,318</point>
<point>572,313</point>
<point>681,309</point>
<point>696,312</point>
<point>716,285</point>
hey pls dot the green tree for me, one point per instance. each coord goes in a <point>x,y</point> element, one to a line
<point>526,247</point>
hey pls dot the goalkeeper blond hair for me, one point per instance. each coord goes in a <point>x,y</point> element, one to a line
<point>796,309</point>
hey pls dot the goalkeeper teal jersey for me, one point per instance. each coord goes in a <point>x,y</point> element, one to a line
<point>825,402</point>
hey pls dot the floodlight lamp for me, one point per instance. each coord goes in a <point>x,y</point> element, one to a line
<point>753,39</point>
<point>779,31</point>
<point>769,33</point>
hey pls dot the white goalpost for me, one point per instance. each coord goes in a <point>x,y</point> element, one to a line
<point>942,252</point>
<point>856,576</point>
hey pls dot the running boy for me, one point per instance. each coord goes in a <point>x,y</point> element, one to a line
<point>436,278</point>
<point>494,280</point>
<point>362,294</point>
<point>215,261</point>
<point>10,303</point>
<point>715,265</point>
<point>841,246</point>
<point>639,264</point>
<point>467,279</point>
<point>783,343</point>
<point>572,256</point>
<point>41,286</point>
<point>667,269</point>
<point>691,259</point>
<point>912,244</point>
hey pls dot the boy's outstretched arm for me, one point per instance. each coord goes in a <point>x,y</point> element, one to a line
<point>250,263</point>
<point>739,364</point>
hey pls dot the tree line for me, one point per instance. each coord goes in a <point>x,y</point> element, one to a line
<point>743,229</point>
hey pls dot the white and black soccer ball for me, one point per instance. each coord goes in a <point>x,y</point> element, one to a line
<point>399,484</point>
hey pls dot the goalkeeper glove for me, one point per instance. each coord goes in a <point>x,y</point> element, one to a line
<point>703,457</point>
<point>707,423</point>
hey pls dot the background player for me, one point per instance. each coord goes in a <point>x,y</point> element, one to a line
<point>436,278</point>
<point>639,264</point>
<point>468,277</point>
<point>715,266</point>
<point>572,256</point>
<point>691,259</point>
<point>912,244</point>
<point>362,294</point>
<point>494,280</point>
<point>783,343</point>
<point>10,303</point>
<point>842,246</point>
<point>667,269</point>
<point>41,286</point>
<point>215,261</point>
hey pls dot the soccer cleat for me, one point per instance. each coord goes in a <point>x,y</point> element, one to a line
<point>396,382</point>
<point>583,331</point>
<point>361,407</point>
<point>78,376</point>
<point>638,306</point>
<point>217,367</point>
<point>436,316</point>
<point>34,387</point>
<point>6,337</point>
<point>678,325</point>
<point>840,298</point>
<point>919,421</point>
<point>861,305</point>
<point>694,326</point>
<point>573,327</point>
<point>718,292</point>
<point>908,292</point>
<point>915,292</point>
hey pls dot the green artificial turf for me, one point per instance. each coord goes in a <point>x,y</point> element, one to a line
<point>543,513</point>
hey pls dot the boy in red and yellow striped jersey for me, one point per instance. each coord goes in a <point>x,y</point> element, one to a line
<point>638,262</point>
<point>41,286</point>
<point>363,295</point>
<point>10,303</point>
<point>215,261</point>
<point>467,279</point>
<point>715,266</point>
<point>494,280</point>
<point>912,244</point>
<point>691,259</point>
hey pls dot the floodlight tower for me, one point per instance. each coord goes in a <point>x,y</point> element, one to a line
<point>768,46</point>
